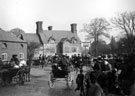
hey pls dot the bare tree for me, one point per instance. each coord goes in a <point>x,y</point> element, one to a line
<point>96,28</point>
<point>32,46</point>
<point>125,22</point>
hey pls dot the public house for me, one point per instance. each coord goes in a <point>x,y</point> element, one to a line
<point>55,41</point>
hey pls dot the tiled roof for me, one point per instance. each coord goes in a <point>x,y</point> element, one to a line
<point>58,35</point>
<point>9,36</point>
<point>64,39</point>
<point>19,33</point>
<point>31,37</point>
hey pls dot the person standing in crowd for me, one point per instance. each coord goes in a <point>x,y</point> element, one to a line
<point>79,82</point>
<point>97,65</point>
<point>56,59</point>
<point>14,62</point>
<point>1,63</point>
<point>40,59</point>
<point>79,61</point>
<point>94,89</point>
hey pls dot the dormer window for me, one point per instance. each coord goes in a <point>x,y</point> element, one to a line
<point>67,41</point>
<point>20,36</point>
<point>73,40</point>
<point>51,40</point>
<point>4,45</point>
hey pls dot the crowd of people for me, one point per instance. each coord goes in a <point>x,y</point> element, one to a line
<point>109,74</point>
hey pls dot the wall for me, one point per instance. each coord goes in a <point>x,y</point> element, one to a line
<point>59,49</point>
<point>13,48</point>
<point>49,49</point>
<point>70,47</point>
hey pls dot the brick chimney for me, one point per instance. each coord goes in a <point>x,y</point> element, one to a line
<point>50,27</point>
<point>39,27</point>
<point>73,28</point>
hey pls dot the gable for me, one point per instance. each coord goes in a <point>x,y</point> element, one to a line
<point>73,40</point>
<point>51,40</point>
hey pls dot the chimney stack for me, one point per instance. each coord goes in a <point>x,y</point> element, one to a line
<point>73,28</point>
<point>39,26</point>
<point>50,27</point>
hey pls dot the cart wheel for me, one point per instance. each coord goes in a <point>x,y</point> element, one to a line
<point>51,80</point>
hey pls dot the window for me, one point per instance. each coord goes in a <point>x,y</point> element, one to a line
<point>74,41</point>
<point>51,41</point>
<point>66,49</point>
<point>21,55</point>
<point>74,49</point>
<point>52,50</point>
<point>4,57</point>
<point>22,46</point>
<point>4,45</point>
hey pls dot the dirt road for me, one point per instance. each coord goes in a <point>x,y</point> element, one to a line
<point>38,86</point>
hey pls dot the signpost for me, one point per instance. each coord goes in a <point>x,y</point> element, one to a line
<point>85,45</point>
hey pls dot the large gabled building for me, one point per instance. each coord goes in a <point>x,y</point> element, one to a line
<point>55,41</point>
<point>11,45</point>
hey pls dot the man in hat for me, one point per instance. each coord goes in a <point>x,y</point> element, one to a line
<point>79,81</point>
<point>14,62</point>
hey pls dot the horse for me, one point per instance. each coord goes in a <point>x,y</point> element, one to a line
<point>26,68</point>
<point>27,73</point>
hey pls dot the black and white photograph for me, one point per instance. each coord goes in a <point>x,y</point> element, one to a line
<point>67,47</point>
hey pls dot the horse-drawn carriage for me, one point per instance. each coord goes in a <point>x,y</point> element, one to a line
<point>9,74</point>
<point>60,71</point>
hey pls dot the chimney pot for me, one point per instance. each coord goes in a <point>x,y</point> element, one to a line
<point>39,26</point>
<point>50,27</point>
<point>73,27</point>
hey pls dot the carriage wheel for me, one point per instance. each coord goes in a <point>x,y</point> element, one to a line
<point>69,81</point>
<point>51,80</point>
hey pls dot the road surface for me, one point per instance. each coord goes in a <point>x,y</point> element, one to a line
<point>38,86</point>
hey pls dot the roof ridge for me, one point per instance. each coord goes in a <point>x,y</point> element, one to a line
<point>58,30</point>
<point>9,36</point>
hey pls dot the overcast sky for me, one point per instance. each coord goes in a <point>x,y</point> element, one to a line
<point>59,13</point>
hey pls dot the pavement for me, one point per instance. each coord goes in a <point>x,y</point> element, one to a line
<point>37,72</point>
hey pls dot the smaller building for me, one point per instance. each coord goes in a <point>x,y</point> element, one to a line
<point>10,45</point>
